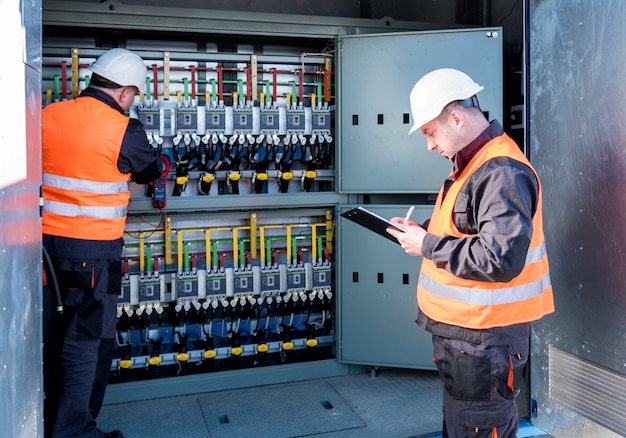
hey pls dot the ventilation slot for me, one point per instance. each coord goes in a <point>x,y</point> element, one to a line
<point>588,389</point>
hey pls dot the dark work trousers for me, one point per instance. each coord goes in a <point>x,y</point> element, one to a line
<point>78,344</point>
<point>481,381</point>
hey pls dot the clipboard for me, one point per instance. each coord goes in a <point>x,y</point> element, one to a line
<point>372,221</point>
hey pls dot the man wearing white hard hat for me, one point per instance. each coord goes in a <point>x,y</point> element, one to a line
<point>90,149</point>
<point>484,276</point>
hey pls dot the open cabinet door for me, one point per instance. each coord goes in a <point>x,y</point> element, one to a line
<point>377,280</point>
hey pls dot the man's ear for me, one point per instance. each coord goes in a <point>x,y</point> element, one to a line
<point>126,96</point>
<point>458,117</point>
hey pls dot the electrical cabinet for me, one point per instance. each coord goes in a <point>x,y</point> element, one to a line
<point>236,259</point>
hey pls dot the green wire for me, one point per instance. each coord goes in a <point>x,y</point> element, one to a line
<point>56,87</point>
<point>148,87</point>
<point>319,92</point>
<point>214,252</point>
<point>242,254</point>
<point>319,247</point>
<point>294,92</point>
<point>149,259</point>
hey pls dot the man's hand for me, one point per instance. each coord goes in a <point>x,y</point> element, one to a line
<point>411,240</point>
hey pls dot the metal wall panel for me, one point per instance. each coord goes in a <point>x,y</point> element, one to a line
<point>377,73</point>
<point>377,287</point>
<point>21,386</point>
<point>576,137</point>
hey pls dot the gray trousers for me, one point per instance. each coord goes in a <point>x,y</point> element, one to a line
<point>481,381</point>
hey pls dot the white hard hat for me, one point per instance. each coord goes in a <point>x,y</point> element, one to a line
<point>435,90</point>
<point>122,67</point>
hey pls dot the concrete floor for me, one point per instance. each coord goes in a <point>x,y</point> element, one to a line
<point>391,403</point>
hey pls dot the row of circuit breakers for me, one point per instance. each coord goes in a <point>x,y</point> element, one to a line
<point>211,291</point>
<point>230,128</point>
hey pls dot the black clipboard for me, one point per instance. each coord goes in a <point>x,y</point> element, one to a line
<point>372,221</point>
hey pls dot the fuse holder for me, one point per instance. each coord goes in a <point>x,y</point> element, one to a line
<point>262,176</point>
<point>287,345</point>
<point>182,180</point>
<point>182,357</point>
<point>126,363</point>
<point>311,343</point>
<point>208,178</point>
<point>236,351</point>
<point>262,348</point>
<point>234,176</point>
<point>311,174</point>
<point>209,354</point>
<point>154,360</point>
<point>286,176</point>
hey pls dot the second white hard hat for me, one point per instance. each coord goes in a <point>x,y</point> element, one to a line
<point>435,90</point>
<point>122,67</point>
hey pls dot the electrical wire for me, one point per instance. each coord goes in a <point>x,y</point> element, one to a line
<point>507,15</point>
<point>55,283</point>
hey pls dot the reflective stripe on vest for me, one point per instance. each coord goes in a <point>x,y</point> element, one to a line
<point>68,183</point>
<point>485,297</point>
<point>71,210</point>
<point>85,195</point>
<point>475,304</point>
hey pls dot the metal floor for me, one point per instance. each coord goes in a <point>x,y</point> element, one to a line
<point>392,403</point>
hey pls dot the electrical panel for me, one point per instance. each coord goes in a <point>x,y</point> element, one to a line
<point>219,271</point>
<point>235,258</point>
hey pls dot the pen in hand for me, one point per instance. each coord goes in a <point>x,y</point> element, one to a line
<point>408,214</point>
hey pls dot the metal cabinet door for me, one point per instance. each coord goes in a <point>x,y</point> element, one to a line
<point>377,304</point>
<point>376,75</point>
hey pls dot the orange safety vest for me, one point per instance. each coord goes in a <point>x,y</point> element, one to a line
<point>85,195</point>
<point>476,304</point>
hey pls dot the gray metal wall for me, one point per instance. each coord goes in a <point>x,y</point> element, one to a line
<point>576,135</point>
<point>21,386</point>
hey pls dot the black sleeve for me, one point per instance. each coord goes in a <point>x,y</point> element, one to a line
<point>502,203</point>
<point>137,156</point>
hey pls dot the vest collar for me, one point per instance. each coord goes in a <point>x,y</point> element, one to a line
<point>102,97</point>
<point>465,155</point>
